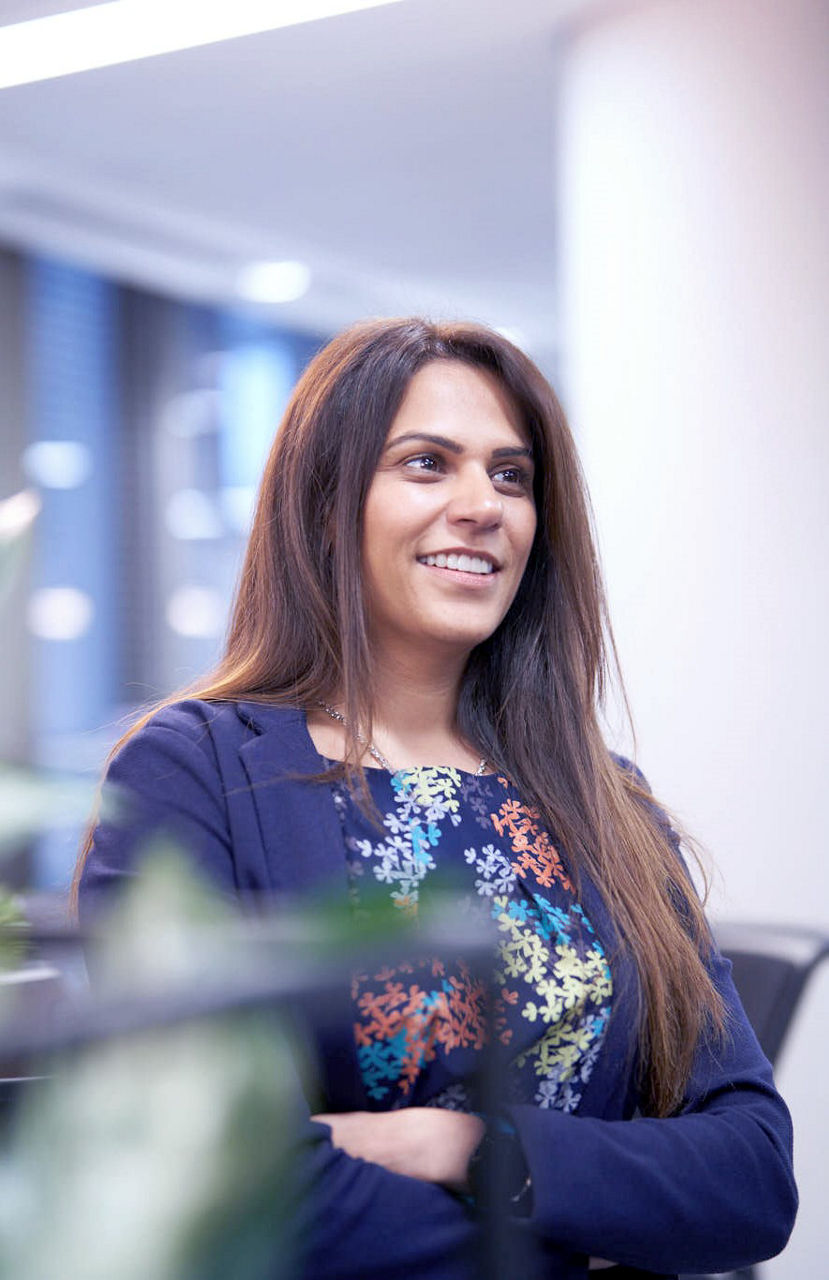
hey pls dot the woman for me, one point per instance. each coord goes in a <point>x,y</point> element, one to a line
<point>410,686</point>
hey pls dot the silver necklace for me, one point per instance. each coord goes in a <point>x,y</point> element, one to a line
<point>370,747</point>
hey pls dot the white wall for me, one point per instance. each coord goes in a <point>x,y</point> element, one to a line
<point>695,204</point>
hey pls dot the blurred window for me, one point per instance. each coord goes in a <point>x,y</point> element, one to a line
<point>149,421</point>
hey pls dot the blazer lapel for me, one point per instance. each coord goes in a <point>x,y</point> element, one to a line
<point>301,833</point>
<point>304,855</point>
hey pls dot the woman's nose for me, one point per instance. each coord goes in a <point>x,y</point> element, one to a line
<point>475,498</point>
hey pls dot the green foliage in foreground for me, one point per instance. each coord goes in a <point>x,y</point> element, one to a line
<point>31,802</point>
<point>17,517</point>
<point>165,1155</point>
<point>13,928</point>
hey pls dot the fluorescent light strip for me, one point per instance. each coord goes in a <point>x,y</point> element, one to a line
<point>126,30</point>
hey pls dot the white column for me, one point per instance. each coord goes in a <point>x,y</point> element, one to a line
<point>695,207</point>
<point>696,297</point>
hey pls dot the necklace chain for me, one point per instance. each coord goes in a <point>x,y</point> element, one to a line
<point>375,751</point>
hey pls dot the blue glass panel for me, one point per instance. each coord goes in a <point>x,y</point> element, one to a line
<point>72,396</point>
<point>258,372</point>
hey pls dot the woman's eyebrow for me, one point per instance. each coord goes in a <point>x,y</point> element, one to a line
<point>513,451</point>
<point>507,451</point>
<point>451,445</point>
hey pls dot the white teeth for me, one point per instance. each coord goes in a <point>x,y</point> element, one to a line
<point>463,563</point>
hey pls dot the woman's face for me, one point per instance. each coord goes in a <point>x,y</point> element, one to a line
<point>449,518</point>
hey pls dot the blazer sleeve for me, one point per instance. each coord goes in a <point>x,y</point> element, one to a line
<point>709,1189</point>
<point>356,1218</point>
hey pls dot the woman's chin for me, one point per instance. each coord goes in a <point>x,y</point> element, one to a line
<point>457,642</point>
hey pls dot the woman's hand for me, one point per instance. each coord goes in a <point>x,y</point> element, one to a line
<point>421,1142</point>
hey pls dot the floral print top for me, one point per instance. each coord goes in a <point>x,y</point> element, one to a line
<point>420,1027</point>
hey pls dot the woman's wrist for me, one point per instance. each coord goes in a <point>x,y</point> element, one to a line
<point>428,1143</point>
<point>498,1174</point>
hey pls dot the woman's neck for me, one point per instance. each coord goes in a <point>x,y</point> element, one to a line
<point>415,698</point>
<point>415,707</point>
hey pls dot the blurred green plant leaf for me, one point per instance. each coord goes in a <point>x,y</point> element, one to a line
<point>165,1155</point>
<point>168,931</point>
<point>32,802</point>
<point>13,926</point>
<point>17,516</point>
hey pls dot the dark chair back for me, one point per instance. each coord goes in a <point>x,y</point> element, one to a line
<point>771,966</point>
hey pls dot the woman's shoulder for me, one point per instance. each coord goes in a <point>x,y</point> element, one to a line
<point>198,750</point>
<point>233,719</point>
<point>631,771</point>
<point>206,737</point>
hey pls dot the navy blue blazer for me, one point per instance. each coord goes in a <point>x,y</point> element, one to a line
<point>708,1189</point>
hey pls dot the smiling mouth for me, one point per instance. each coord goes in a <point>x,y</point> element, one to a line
<point>461,563</point>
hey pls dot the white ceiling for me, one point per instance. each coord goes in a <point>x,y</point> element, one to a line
<point>405,153</point>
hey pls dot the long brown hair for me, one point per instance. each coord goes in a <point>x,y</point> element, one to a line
<point>530,693</point>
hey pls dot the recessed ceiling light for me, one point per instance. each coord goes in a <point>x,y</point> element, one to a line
<point>273,281</point>
<point>127,30</point>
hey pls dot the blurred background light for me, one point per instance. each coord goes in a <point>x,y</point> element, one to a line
<point>191,413</point>
<point>196,612</point>
<point>192,514</point>
<point>272,282</point>
<point>127,30</point>
<point>237,503</point>
<point>60,613</point>
<point>57,464</point>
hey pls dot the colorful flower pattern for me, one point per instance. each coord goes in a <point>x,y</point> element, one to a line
<point>420,1027</point>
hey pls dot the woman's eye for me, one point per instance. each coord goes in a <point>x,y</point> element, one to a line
<point>423,462</point>
<point>513,477</point>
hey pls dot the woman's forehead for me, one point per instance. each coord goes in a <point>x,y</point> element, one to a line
<point>446,395</point>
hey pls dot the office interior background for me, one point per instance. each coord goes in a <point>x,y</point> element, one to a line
<point>636,191</point>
